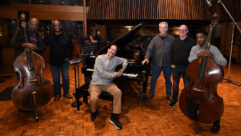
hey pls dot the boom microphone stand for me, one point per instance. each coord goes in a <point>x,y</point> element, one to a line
<point>234,24</point>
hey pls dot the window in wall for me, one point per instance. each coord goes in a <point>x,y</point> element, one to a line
<point>14,1</point>
<point>49,2</point>
<point>71,2</point>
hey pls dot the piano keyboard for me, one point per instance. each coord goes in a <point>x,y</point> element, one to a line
<point>124,74</point>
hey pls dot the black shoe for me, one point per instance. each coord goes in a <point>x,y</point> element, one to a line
<point>57,98</point>
<point>114,119</point>
<point>172,104</point>
<point>67,96</point>
<point>93,116</point>
<point>150,96</point>
<point>215,128</point>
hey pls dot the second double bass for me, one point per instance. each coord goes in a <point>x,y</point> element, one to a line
<point>200,101</point>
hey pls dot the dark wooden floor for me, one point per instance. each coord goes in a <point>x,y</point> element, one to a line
<point>140,118</point>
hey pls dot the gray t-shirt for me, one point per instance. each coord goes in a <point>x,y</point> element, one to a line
<point>104,69</point>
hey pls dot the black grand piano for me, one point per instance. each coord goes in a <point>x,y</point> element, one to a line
<point>131,46</point>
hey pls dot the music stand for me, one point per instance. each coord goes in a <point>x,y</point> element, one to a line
<point>76,63</point>
<point>232,41</point>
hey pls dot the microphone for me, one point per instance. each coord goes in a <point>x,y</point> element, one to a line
<point>209,3</point>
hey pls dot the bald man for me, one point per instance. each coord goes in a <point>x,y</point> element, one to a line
<point>60,52</point>
<point>35,40</point>
<point>179,54</point>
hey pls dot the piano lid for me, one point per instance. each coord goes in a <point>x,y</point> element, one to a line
<point>123,39</point>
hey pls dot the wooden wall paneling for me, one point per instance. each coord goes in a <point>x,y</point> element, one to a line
<point>226,38</point>
<point>7,54</point>
<point>155,9</point>
<point>70,12</point>
<point>223,37</point>
<point>8,13</point>
<point>50,8</point>
<point>57,15</point>
<point>85,18</point>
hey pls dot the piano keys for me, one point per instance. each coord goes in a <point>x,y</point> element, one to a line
<point>130,75</point>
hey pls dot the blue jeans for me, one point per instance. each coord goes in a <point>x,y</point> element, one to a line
<point>176,74</point>
<point>156,71</point>
<point>55,70</point>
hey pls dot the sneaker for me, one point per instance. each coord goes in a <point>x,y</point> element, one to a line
<point>93,116</point>
<point>172,104</point>
<point>115,121</point>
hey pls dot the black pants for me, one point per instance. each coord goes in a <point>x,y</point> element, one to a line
<point>176,74</point>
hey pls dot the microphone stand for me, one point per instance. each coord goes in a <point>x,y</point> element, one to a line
<point>234,24</point>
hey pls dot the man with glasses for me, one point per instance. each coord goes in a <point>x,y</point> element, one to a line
<point>159,50</point>
<point>179,54</point>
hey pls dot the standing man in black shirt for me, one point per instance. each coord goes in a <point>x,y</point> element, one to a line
<point>61,48</point>
<point>180,51</point>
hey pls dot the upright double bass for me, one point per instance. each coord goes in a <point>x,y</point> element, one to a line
<point>32,89</point>
<point>200,101</point>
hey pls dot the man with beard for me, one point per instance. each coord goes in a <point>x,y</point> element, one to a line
<point>35,39</point>
<point>61,48</point>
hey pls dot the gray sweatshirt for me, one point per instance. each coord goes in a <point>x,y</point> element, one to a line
<point>218,57</point>
<point>104,69</point>
<point>159,49</point>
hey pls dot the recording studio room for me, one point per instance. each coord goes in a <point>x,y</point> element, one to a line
<point>120,67</point>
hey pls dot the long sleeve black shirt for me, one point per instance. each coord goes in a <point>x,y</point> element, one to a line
<point>180,51</point>
<point>61,48</point>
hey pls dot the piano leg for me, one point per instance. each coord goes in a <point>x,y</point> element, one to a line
<point>144,88</point>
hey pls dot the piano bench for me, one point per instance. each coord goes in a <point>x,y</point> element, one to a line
<point>82,91</point>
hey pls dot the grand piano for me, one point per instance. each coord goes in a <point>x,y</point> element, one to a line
<point>132,46</point>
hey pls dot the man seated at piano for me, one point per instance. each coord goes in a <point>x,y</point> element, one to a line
<point>102,77</point>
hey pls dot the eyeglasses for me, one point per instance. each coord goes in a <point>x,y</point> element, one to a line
<point>162,27</point>
<point>182,30</point>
